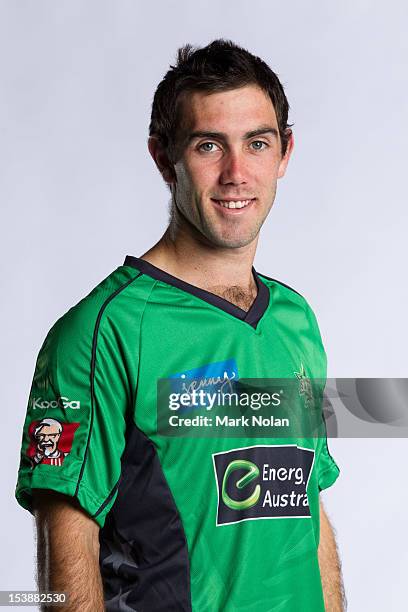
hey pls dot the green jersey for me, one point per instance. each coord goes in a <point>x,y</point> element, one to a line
<point>207,522</point>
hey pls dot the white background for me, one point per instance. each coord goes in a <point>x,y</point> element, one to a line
<point>78,191</point>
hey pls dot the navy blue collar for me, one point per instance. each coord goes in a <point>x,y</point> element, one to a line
<point>252,316</point>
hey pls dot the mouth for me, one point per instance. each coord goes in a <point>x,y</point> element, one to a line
<point>234,205</point>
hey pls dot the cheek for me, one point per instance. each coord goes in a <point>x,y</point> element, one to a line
<point>187,177</point>
<point>269,174</point>
<point>199,178</point>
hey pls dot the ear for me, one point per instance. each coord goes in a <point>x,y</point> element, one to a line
<point>161,159</point>
<point>285,159</point>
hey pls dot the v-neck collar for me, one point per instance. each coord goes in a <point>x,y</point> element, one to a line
<point>252,316</point>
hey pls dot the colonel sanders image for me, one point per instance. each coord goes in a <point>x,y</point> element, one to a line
<point>46,435</point>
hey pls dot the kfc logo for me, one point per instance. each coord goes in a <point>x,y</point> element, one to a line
<point>50,441</point>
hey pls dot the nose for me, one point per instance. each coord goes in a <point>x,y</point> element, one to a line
<point>233,171</point>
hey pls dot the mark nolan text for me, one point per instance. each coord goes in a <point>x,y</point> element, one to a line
<point>225,421</point>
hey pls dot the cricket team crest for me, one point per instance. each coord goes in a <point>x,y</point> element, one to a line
<point>305,386</point>
<point>50,441</point>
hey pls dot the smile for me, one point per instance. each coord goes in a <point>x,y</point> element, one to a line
<point>232,204</point>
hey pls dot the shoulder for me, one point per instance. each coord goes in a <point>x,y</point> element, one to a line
<point>293,312</point>
<point>75,331</point>
<point>286,295</point>
<point>286,291</point>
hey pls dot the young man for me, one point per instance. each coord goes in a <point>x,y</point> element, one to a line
<point>142,518</point>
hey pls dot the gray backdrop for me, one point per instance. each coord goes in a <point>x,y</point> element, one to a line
<point>79,191</point>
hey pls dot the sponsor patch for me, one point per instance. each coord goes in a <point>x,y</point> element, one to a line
<point>262,481</point>
<point>50,441</point>
<point>212,377</point>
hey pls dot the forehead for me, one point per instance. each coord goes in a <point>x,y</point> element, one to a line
<point>235,110</point>
<point>46,429</point>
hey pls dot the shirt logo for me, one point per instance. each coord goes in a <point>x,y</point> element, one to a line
<point>305,386</point>
<point>264,481</point>
<point>59,402</point>
<point>212,377</point>
<point>50,441</point>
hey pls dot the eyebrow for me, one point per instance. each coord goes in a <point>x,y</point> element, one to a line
<point>222,136</point>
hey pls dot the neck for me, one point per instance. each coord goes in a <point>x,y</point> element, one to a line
<point>186,254</point>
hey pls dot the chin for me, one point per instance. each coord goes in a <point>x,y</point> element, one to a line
<point>232,242</point>
<point>233,239</point>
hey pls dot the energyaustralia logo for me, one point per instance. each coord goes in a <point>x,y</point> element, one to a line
<point>263,481</point>
<point>60,402</point>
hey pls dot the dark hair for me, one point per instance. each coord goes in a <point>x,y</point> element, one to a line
<point>222,65</point>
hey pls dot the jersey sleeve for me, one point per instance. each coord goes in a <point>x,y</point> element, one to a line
<point>327,468</point>
<point>74,430</point>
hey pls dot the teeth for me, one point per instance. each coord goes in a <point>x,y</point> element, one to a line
<point>234,203</point>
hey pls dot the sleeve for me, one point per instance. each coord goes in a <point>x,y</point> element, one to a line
<point>327,468</point>
<point>74,430</point>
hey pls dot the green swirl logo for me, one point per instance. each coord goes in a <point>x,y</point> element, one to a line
<point>252,473</point>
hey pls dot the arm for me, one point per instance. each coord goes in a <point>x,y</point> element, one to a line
<point>68,552</point>
<point>330,567</point>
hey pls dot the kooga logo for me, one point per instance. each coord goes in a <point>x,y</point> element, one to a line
<point>264,481</point>
<point>60,402</point>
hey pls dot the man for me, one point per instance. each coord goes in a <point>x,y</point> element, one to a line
<point>160,518</point>
<point>47,435</point>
